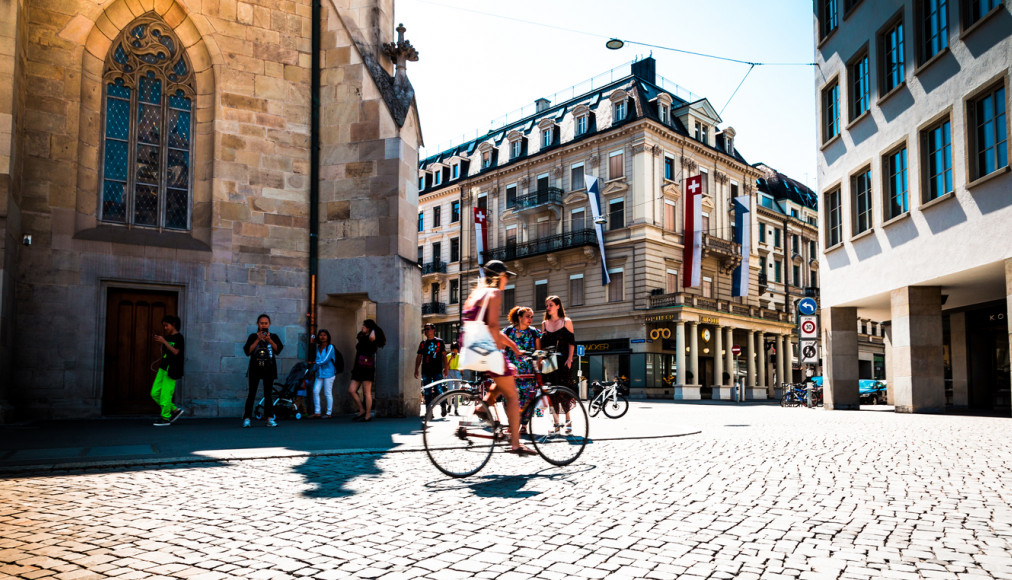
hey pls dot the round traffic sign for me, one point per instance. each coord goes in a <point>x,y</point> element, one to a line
<point>736,350</point>
<point>807,306</point>
<point>808,327</point>
<point>808,351</point>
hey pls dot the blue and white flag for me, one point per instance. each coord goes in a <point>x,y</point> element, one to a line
<point>594,194</point>
<point>742,237</point>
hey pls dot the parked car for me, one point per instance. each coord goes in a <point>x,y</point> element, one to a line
<point>870,391</point>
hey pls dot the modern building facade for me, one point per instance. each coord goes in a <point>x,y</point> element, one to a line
<point>915,202</point>
<point>641,140</point>
<point>156,156</point>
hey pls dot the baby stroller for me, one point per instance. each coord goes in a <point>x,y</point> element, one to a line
<point>299,381</point>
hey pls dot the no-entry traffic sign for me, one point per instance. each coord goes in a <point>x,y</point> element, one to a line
<point>736,350</point>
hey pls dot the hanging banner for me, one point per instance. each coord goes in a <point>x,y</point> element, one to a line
<point>480,236</point>
<point>692,238</point>
<point>594,194</point>
<point>742,237</point>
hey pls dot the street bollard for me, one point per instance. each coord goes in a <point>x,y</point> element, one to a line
<point>808,394</point>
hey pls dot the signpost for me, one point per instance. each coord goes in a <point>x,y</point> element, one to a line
<point>808,334</point>
<point>580,350</point>
<point>807,306</point>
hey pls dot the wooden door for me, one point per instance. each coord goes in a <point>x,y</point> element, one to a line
<point>133,317</point>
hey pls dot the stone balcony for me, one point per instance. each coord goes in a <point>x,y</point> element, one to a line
<point>686,300</point>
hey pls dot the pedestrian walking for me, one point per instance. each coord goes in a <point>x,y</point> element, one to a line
<point>170,370</point>
<point>526,338</point>
<point>367,342</point>
<point>329,364</point>
<point>453,363</point>
<point>262,347</point>
<point>431,358</point>
<point>557,331</point>
<point>487,297</point>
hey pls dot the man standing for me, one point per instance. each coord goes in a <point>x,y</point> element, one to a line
<point>170,370</point>
<point>432,359</point>
<point>262,348</point>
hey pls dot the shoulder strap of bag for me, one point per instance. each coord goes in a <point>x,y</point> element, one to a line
<point>484,304</point>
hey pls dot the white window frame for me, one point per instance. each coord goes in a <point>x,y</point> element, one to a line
<point>612,202</point>
<point>547,136</point>
<point>621,110</point>
<point>616,154</point>
<point>706,280</point>
<point>515,148</point>
<point>437,177</point>
<point>573,213</point>
<point>664,112</point>
<point>582,124</point>
<point>670,227</point>
<point>455,171</point>
<point>541,305</point>
<point>671,272</point>
<point>486,159</point>
<point>621,289</point>
<point>583,290</point>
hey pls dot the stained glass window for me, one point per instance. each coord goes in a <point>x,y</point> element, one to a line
<point>148,127</point>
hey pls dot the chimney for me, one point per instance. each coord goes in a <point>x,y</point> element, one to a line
<point>542,104</point>
<point>645,69</point>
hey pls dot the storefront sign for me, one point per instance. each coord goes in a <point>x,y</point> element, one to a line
<point>709,320</point>
<point>659,333</point>
<point>659,318</point>
<point>602,346</point>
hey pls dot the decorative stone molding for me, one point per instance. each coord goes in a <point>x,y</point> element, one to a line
<point>656,150</point>
<point>688,163</point>
<point>720,177</point>
<point>593,160</point>
<point>639,148</point>
<point>747,189</point>
<point>552,261</point>
<point>588,252</point>
<point>524,181</point>
<point>557,172</point>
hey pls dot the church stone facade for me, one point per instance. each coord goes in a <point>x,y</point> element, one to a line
<point>155,158</point>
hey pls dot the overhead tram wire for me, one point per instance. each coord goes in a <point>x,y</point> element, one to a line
<point>751,64</point>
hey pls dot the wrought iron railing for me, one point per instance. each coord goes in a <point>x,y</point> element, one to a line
<point>433,308</point>
<point>537,198</point>
<point>438,267</point>
<point>545,245</point>
<point>684,299</point>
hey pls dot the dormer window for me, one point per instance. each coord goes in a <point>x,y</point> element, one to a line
<point>455,170</point>
<point>486,159</point>
<point>620,111</point>
<point>515,148</point>
<point>581,125</point>
<point>437,176</point>
<point>421,183</point>
<point>547,137</point>
<point>664,112</point>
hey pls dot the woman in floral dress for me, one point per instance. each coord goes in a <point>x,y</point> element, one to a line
<point>526,338</point>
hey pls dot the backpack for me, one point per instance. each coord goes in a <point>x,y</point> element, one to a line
<point>262,355</point>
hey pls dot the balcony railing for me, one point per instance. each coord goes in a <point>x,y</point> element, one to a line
<point>545,245</point>
<point>434,268</point>
<point>537,198</point>
<point>683,299</point>
<point>433,308</point>
<point>719,246</point>
<point>812,291</point>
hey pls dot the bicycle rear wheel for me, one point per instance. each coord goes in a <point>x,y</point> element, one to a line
<point>616,408</point>
<point>458,445</point>
<point>595,406</point>
<point>559,444</point>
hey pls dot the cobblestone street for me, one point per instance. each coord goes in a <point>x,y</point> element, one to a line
<point>761,491</point>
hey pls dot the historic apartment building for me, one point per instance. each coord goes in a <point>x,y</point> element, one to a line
<point>915,202</point>
<point>641,141</point>
<point>157,156</point>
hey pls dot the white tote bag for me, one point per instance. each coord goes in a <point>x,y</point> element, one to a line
<point>479,352</point>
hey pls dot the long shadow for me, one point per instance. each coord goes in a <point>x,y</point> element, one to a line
<point>509,486</point>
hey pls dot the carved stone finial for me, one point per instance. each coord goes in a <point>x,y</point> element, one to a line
<point>401,51</point>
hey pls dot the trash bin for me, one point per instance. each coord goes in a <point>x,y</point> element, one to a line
<point>583,389</point>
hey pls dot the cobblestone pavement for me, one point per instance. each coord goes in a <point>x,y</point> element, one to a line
<point>760,492</point>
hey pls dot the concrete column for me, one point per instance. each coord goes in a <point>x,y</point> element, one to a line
<point>750,360</point>
<point>1008,298</point>
<point>760,342</point>
<point>682,391</point>
<point>728,355</point>
<point>839,336</point>
<point>781,357</point>
<point>694,353</point>
<point>960,361</point>
<point>887,341</point>
<point>718,358</point>
<point>918,372</point>
<point>679,353</point>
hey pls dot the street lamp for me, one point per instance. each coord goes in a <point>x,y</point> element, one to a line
<point>614,44</point>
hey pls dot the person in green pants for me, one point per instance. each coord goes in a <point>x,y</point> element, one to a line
<point>170,370</point>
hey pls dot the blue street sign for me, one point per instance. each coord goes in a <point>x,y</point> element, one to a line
<point>580,350</point>
<point>807,306</point>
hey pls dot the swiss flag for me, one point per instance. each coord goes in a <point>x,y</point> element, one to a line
<point>480,232</point>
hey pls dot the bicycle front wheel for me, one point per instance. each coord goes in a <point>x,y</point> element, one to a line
<point>616,407</point>
<point>595,405</point>
<point>458,445</point>
<point>560,443</point>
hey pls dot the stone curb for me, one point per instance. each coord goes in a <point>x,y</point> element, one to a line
<point>15,471</point>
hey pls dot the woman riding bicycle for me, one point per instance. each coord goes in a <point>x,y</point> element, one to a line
<point>496,276</point>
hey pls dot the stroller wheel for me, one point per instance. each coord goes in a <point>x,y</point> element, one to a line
<point>298,415</point>
<point>258,412</point>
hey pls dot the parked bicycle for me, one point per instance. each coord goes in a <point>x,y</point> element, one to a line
<point>796,395</point>
<point>608,400</point>
<point>460,446</point>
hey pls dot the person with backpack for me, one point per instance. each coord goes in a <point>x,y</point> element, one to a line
<point>170,370</point>
<point>262,347</point>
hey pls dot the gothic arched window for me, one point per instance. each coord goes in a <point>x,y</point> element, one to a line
<point>148,128</point>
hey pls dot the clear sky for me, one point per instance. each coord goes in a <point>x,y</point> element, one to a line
<point>478,62</point>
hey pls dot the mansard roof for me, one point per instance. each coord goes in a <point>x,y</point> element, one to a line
<point>782,187</point>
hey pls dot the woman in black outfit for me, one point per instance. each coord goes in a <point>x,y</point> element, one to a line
<point>557,331</point>
<point>368,341</point>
